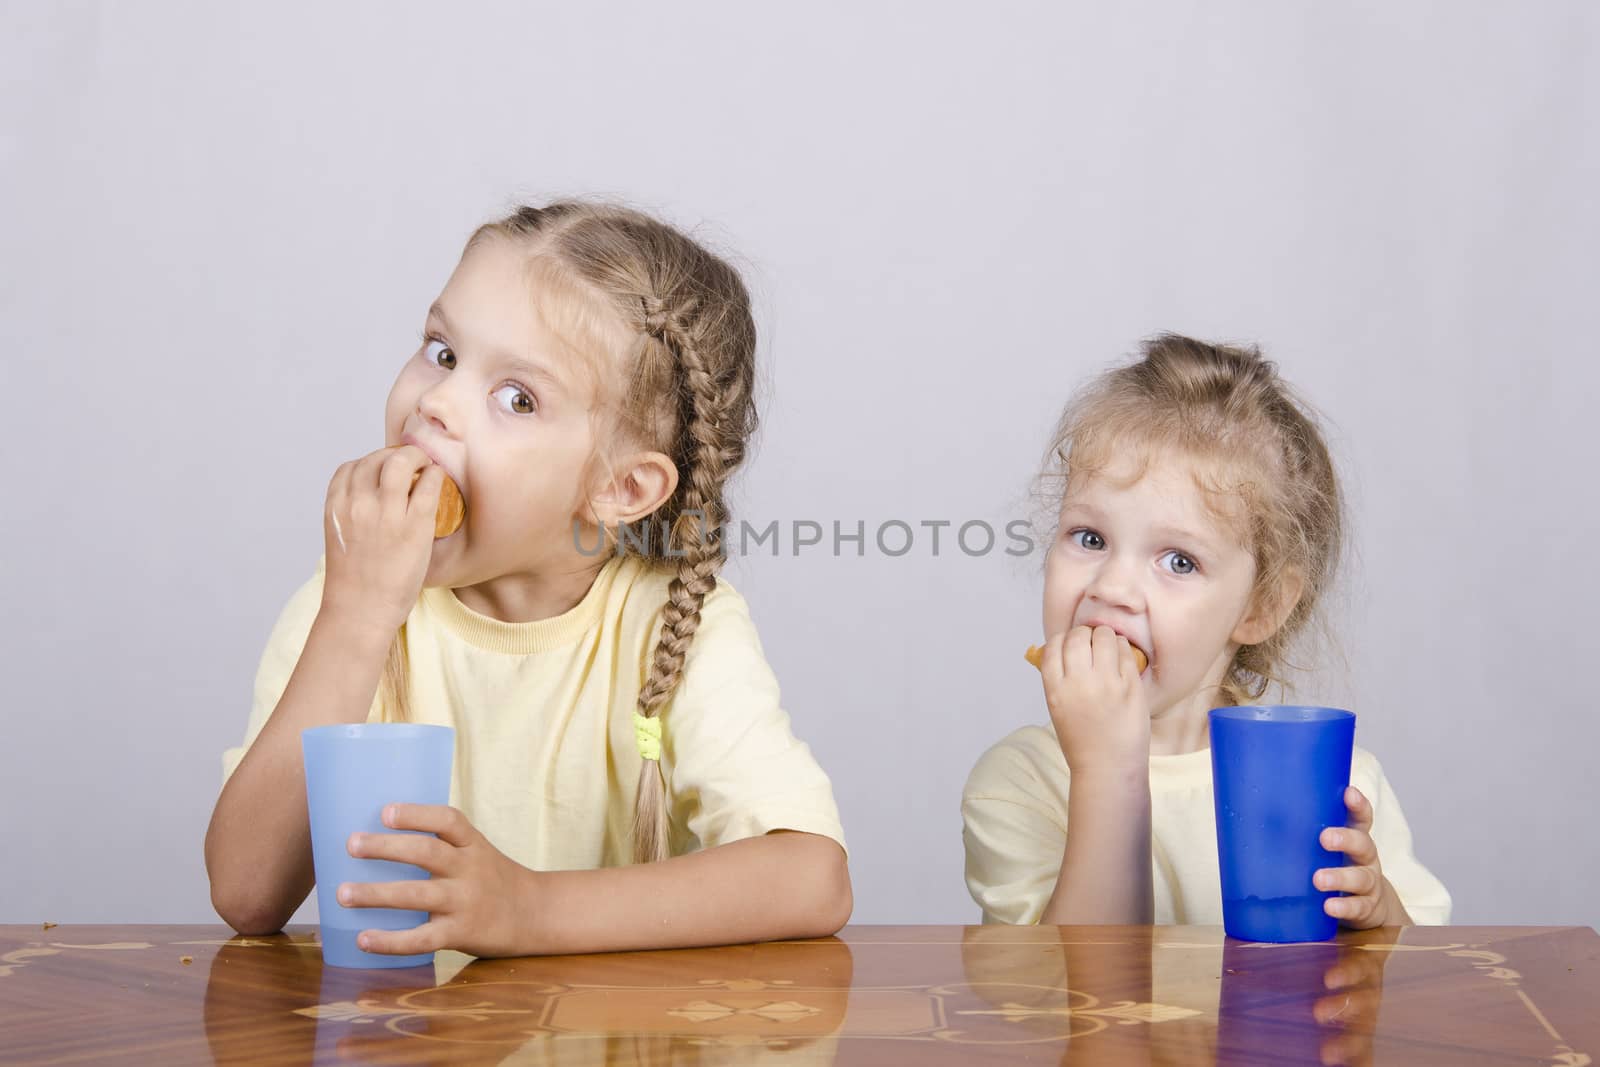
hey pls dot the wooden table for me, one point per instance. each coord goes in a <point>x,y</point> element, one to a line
<point>877,994</point>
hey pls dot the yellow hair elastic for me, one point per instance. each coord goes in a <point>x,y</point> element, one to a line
<point>647,735</point>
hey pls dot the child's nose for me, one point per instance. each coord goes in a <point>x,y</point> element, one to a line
<point>1115,582</point>
<point>438,408</point>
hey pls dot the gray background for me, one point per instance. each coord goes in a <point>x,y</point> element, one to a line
<point>221,229</point>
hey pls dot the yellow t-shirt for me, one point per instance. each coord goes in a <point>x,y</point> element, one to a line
<point>1014,823</point>
<point>546,764</point>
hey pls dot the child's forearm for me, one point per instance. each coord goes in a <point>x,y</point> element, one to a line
<point>1105,872</point>
<point>782,885</point>
<point>258,846</point>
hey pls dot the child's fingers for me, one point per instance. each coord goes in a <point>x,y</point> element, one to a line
<point>339,484</point>
<point>1052,661</point>
<point>1077,654</point>
<point>424,502</point>
<point>420,894</point>
<point>368,474</point>
<point>1127,663</point>
<point>417,940</point>
<point>429,853</point>
<point>1104,647</point>
<point>338,500</point>
<point>1357,911</point>
<point>395,477</point>
<point>1357,844</point>
<point>1353,880</point>
<point>1360,809</point>
<point>451,826</point>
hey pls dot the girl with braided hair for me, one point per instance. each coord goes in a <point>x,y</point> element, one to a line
<point>625,777</point>
<point>1199,525</point>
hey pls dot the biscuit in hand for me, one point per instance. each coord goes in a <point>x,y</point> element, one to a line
<point>452,508</point>
<point>1035,656</point>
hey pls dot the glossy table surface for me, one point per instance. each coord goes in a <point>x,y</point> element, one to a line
<point>875,994</point>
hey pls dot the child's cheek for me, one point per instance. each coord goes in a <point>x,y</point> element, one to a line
<point>1059,595</point>
<point>401,400</point>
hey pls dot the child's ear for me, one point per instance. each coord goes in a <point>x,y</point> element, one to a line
<point>1271,608</point>
<point>635,488</point>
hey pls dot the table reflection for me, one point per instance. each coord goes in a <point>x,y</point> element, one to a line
<point>1158,997</point>
<point>761,1004</point>
<point>1311,1003</point>
<point>932,996</point>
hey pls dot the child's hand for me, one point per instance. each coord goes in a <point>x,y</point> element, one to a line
<point>474,897</point>
<point>1370,900</point>
<point>1097,704</point>
<point>379,534</point>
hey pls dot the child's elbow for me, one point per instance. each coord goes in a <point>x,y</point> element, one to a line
<point>832,899</point>
<point>838,906</point>
<point>251,922</point>
<point>245,913</point>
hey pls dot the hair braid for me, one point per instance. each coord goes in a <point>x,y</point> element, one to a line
<point>394,686</point>
<point>696,532</point>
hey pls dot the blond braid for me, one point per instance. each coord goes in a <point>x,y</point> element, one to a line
<point>697,534</point>
<point>394,687</point>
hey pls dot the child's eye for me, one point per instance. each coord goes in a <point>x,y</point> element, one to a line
<point>1087,539</point>
<point>516,399</point>
<point>1182,564</point>
<point>438,353</point>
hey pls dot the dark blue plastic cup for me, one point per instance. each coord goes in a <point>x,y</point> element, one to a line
<point>1280,773</point>
<point>352,772</point>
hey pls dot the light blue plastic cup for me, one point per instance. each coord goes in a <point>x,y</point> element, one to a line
<point>1280,772</point>
<point>352,772</point>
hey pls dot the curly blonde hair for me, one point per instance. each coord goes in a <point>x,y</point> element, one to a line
<point>1261,462</point>
<point>631,293</point>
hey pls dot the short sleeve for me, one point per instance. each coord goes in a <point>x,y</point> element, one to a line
<point>1426,899</point>
<point>278,659</point>
<point>733,766</point>
<point>1014,835</point>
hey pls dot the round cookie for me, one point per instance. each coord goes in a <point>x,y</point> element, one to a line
<point>452,508</point>
<point>1035,656</point>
